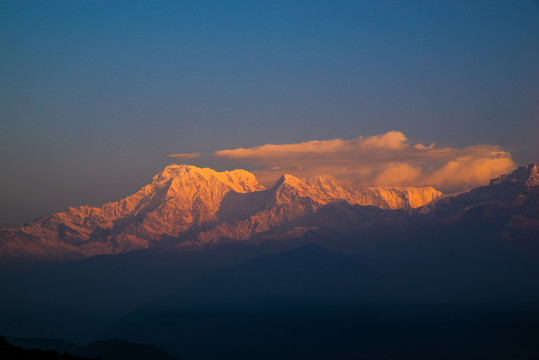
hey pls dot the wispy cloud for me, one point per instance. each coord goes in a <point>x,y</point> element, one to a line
<point>185,156</point>
<point>386,159</point>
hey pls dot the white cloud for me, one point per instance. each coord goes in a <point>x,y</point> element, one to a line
<point>386,159</point>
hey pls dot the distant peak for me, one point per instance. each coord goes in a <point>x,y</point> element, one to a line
<point>288,179</point>
<point>176,170</point>
<point>243,178</point>
<point>527,175</point>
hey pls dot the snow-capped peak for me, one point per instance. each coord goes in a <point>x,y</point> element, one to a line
<point>239,180</point>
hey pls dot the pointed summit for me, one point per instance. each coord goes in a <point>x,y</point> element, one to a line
<point>239,180</point>
<point>289,180</point>
<point>527,175</point>
<point>289,189</point>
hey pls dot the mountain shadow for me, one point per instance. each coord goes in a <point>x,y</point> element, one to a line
<point>316,304</point>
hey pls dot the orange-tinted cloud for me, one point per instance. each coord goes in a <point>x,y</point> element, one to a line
<point>185,156</point>
<point>386,159</point>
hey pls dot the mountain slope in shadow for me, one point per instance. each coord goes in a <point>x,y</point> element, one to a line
<point>316,304</point>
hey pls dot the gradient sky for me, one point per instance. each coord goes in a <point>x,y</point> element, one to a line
<point>95,94</point>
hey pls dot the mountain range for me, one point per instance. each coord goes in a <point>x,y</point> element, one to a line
<point>186,208</point>
<point>189,207</point>
<point>309,268</point>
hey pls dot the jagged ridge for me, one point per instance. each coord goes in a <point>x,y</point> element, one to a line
<point>525,175</point>
<point>187,206</point>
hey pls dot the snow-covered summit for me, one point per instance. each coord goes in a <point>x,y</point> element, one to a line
<point>189,206</point>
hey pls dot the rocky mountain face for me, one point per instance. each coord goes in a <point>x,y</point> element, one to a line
<point>185,207</point>
<point>511,200</point>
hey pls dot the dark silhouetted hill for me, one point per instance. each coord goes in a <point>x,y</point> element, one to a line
<point>12,352</point>
<point>115,349</point>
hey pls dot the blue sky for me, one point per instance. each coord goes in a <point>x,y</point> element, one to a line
<point>95,94</point>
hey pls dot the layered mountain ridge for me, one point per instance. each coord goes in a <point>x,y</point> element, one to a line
<point>233,247</point>
<point>512,199</point>
<point>186,206</point>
